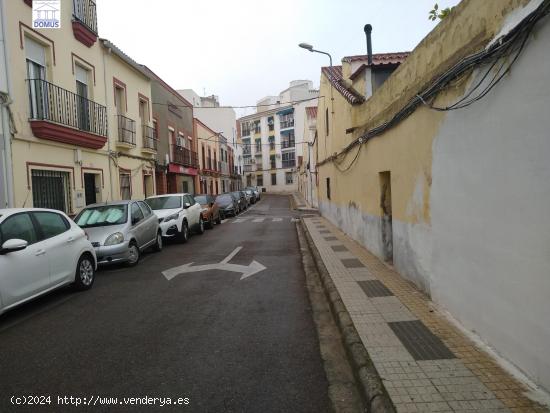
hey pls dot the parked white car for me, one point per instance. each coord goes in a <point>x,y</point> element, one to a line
<point>178,214</point>
<point>41,250</point>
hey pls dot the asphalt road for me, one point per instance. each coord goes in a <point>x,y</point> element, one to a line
<point>228,345</point>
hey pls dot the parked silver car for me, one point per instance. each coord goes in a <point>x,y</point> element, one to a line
<point>120,231</point>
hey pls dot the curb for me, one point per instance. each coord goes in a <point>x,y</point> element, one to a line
<point>370,382</point>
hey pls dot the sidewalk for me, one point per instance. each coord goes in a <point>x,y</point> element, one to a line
<point>426,364</point>
<point>300,203</point>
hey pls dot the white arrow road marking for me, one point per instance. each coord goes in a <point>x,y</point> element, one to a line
<point>246,270</point>
<point>258,220</point>
<point>277,219</point>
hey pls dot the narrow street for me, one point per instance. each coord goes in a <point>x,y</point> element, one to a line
<point>226,344</point>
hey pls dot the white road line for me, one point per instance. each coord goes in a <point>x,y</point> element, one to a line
<point>239,220</point>
<point>277,219</point>
<point>228,258</point>
<point>258,220</point>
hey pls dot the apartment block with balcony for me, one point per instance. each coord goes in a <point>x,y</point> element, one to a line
<point>272,144</point>
<point>177,167</point>
<point>59,148</point>
<point>132,140</point>
<point>209,160</point>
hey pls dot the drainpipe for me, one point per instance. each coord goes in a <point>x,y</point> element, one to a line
<point>4,114</point>
<point>110,153</point>
<point>368,32</point>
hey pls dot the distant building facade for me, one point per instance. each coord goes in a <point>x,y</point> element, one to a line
<point>272,138</point>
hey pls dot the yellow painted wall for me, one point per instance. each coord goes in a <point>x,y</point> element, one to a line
<point>133,159</point>
<point>62,52</point>
<point>206,139</point>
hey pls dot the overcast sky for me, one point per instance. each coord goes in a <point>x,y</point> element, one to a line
<point>243,50</point>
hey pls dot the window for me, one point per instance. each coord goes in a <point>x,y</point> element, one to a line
<point>82,106</point>
<point>245,128</point>
<point>137,215</point>
<point>289,159</point>
<point>271,124</point>
<point>326,120</point>
<point>145,208</point>
<point>260,180</point>
<point>273,162</point>
<point>143,111</point>
<point>273,179</point>
<point>51,224</point>
<point>271,141</point>
<point>258,145</point>
<point>36,73</point>
<point>51,189</point>
<point>257,127</point>
<point>246,146</point>
<point>102,216</point>
<point>155,129</point>
<point>289,178</point>
<point>180,140</point>
<point>288,140</point>
<point>18,226</point>
<point>328,188</point>
<point>120,99</point>
<point>286,121</point>
<point>125,185</point>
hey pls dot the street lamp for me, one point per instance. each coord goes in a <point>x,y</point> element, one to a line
<point>309,47</point>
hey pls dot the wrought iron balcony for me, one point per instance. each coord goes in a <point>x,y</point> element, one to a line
<point>126,130</point>
<point>289,163</point>
<point>286,124</point>
<point>149,138</point>
<point>85,13</point>
<point>185,157</point>
<point>85,21</point>
<point>61,115</point>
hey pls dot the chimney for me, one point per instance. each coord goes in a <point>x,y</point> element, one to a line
<point>368,31</point>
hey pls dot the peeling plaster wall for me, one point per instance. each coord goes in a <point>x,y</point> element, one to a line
<point>491,227</point>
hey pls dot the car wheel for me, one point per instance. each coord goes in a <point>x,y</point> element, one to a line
<point>200,231</point>
<point>211,222</point>
<point>219,219</point>
<point>158,244</point>
<point>85,273</point>
<point>133,255</point>
<point>184,233</point>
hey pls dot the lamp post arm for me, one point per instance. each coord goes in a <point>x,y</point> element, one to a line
<point>325,53</point>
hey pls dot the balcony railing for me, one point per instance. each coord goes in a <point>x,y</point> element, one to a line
<point>273,165</point>
<point>184,156</point>
<point>149,137</point>
<point>126,130</point>
<point>51,103</point>
<point>289,163</point>
<point>288,144</point>
<point>247,168</point>
<point>287,124</point>
<point>85,13</point>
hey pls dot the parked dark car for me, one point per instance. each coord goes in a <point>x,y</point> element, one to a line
<point>228,205</point>
<point>210,210</point>
<point>241,199</point>
<point>251,194</point>
<point>245,199</point>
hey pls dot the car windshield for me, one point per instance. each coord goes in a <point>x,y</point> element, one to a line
<point>102,216</point>
<point>201,199</point>
<point>164,202</point>
<point>224,199</point>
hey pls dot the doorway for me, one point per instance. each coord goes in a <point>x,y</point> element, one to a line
<point>386,226</point>
<point>148,186</point>
<point>90,189</point>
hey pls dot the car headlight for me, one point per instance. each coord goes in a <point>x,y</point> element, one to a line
<point>171,217</point>
<point>204,210</point>
<point>229,207</point>
<point>115,239</point>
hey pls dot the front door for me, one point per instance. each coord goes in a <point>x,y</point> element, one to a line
<point>89,189</point>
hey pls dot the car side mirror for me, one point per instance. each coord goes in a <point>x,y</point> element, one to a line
<point>135,220</point>
<point>13,245</point>
<point>187,205</point>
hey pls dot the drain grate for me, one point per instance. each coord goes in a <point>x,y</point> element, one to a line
<point>338,248</point>
<point>352,263</point>
<point>420,342</point>
<point>375,288</point>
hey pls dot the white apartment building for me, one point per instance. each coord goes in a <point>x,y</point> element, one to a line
<point>272,138</point>
<point>221,119</point>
